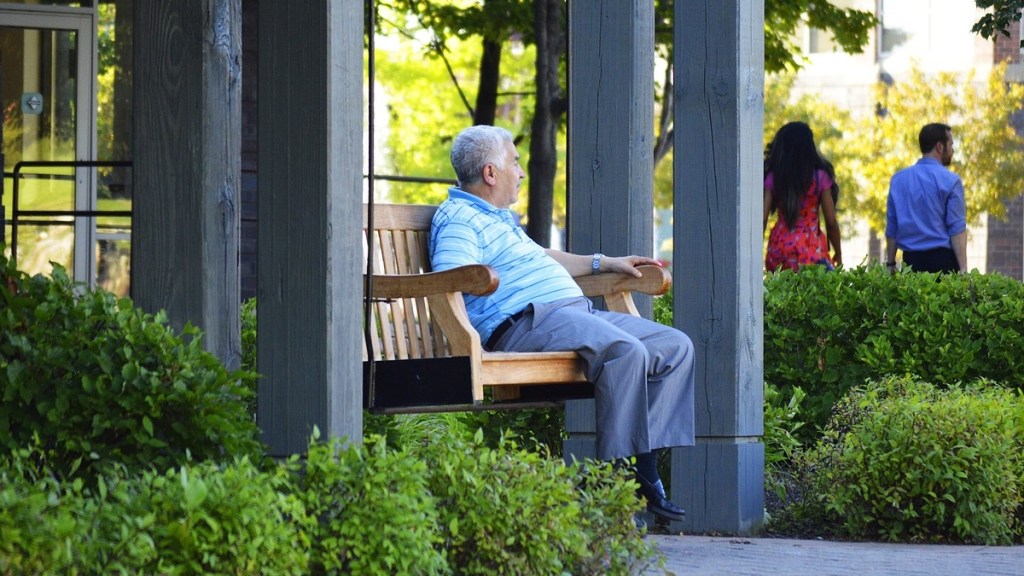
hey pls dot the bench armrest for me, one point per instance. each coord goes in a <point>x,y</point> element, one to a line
<point>475,279</point>
<point>617,289</point>
<point>656,281</point>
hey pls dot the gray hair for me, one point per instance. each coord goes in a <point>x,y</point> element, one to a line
<point>474,148</point>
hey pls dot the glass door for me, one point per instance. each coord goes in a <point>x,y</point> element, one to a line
<point>47,94</point>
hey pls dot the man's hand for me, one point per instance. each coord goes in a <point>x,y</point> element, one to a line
<point>582,264</point>
<point>627,264</point>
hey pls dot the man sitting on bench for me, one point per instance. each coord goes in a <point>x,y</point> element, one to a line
<point>642,371</point>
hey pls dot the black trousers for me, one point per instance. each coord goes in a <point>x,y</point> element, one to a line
<point>934,260</point>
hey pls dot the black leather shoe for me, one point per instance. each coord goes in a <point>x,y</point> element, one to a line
<point>657,503</point>
<point>641,526</point>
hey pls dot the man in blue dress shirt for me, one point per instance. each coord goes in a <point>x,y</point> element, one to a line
<point>926,216</point>
<point>642,371</point>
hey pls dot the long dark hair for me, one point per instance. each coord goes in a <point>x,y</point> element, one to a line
<point>794,160</point>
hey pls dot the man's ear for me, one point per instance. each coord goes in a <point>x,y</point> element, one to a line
<point>489,175</point>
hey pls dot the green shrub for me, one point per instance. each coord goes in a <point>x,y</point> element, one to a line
<point>536,429</point>
<point>376,515</point>
<point>468,509</point>
<point>248,333</point>
<point>234,519</point>
<point>781,443</point>
<point>781,423</point>
<point>411,432</point>
<point>608,501</point>
<point>826,332</point>
<point>506,511</point>
<point>37,524</point>
<point>509,511</point>
<point>903,460</point>
<point>99,381</point>
<point>200,519</point>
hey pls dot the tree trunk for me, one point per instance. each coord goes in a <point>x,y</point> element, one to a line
<point>487,93</point>
<point>548,17</point>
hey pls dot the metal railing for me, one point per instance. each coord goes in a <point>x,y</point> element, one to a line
<point>24,217</point>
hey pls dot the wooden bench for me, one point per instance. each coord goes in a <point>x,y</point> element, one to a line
<point>427,355</point>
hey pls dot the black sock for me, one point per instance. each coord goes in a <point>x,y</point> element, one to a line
<point>647,467</point>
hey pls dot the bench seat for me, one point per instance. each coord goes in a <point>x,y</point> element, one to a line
<point>418,316</point>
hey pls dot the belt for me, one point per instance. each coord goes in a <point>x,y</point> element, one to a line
<point>502,328</point>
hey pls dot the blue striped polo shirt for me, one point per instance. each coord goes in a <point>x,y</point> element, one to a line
<point>467,229</point>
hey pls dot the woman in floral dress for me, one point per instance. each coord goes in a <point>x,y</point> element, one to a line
<point>799,184</point>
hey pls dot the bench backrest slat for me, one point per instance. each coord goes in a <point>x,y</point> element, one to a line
<point>402,328</point>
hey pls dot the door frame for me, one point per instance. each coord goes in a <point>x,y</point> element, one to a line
<point>83,22</point>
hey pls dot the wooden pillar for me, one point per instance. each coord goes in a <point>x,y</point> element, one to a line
<point>187,126</point>
<point>610,149</point>
<point>309,243</point>
<point>718,290</point>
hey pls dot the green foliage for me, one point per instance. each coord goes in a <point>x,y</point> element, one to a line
<point>36,525</point>
<point>1004,14</point>
<point>904,460</point>
<point>781,423</point>
<point>208,518</point>
<point>509,511</point>
<point>536,429</point>
<point>248,334</point>
<point>375,513</point>
<point>826,332</point>
<point>506,511</point>
<point>428,72</point>
<point>414,432</point>
<point>99,381</point>
<point>199,519</point>
<point>849,27</point>
<point>607,498</point>
<point>663,309</point>
<point>454,508</point>
<point>540,429</point>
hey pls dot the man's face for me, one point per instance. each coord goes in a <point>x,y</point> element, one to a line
<point>506,189</point>
<point>947,150</point>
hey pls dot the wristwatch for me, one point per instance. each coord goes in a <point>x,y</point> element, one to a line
<point>595,267</point>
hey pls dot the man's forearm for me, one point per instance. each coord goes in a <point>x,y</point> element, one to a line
<point>575,264</point>
<point>959,243</point>
<point>890,250</point>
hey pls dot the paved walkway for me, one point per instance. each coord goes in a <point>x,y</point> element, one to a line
<point>724,556</point>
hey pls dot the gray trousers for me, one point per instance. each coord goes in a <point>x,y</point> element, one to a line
<point>642,371</point>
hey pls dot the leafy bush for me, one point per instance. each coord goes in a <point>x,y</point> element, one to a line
<point>781,423</point>
<point>375,513</point>
<point>248,334</point>
<point>359,510</point>
<point>781,443</point>
<point>36,525</point>
<point>540,429</point>
<point>413,431</point>
<point>214,519</point>
<point>200,519</point>
<point>99,381</point>
<point>607,497</point>
<point>903,460</point>
<point>826,332</point>
<point>509,511</point>
<point>506,511</point>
